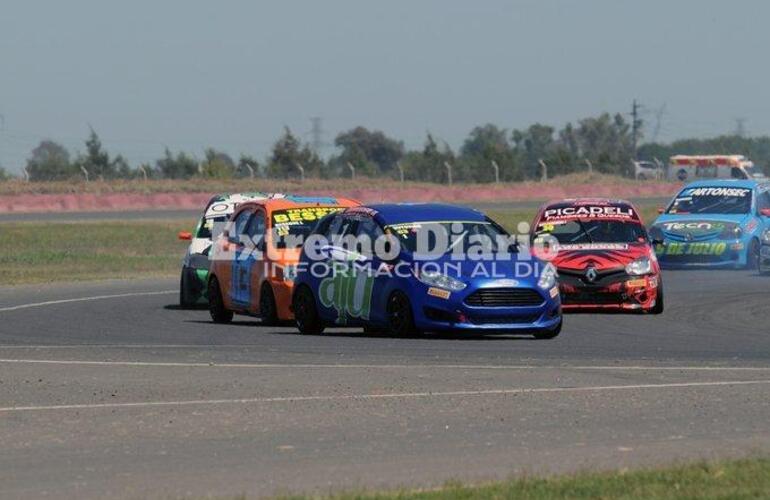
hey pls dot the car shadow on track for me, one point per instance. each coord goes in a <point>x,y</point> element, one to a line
<point>177,307</point>
<point>358,333</point>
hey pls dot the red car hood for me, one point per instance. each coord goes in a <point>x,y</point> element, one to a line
<point>601,256</point>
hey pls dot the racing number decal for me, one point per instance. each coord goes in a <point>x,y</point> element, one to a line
<point>348,294</point>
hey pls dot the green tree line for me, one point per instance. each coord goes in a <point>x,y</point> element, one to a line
<point>489,152</point>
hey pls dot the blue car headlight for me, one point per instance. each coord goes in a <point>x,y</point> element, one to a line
<point>434,278</point>
<point>548,277</point>
<point>639,267</point>
<point>766,236</point>
<point>731,233</point>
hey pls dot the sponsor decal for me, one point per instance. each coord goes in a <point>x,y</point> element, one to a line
<point>697,248</point>
<point>305,214</point>
<point>507,283</point>
<point>438,292</point>
<point>717,191</point>
<point>283,220</point>
<point>362,210</point>
<point>636,283</point>
<point>221,208</point>
<point>554,292</point>
<point>590,211</point>
<point>327,200</point>
<point>594,246</point>
<point>350,294</point>
<point>694,226</point>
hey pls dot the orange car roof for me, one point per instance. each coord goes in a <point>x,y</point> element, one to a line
<point>302,201</point>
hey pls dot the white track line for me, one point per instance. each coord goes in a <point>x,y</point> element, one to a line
<point>172,364</point>
<point>84,299</point>
<point>368,397</point>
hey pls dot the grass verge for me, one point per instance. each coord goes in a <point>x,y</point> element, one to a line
<point>38,252</point>
<point>737,479</point>
<point>199,185</point>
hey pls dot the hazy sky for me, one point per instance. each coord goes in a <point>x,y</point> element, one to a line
<point>230,74</point>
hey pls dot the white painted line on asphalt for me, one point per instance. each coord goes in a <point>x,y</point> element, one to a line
<point>397,395</point>
<point>84,299</point>
<point>133,346</point>
<point>174,364</point>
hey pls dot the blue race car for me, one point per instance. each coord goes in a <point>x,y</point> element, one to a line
<point>408,268</point>
<point>716,223</point>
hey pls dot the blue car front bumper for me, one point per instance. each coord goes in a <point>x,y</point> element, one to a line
<point>487,308</point>
<point>673,254</point>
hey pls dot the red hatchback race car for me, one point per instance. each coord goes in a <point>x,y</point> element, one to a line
<point>603,254</point>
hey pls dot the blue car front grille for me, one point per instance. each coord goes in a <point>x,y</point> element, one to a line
<point>504,297</point>
<point>478,319</point>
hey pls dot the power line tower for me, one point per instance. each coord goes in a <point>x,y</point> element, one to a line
<point>658,122</point>
<point>636,126</point>
<point>740,127</point>
<point>316,133</point>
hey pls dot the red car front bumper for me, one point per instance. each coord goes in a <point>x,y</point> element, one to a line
<point>632,294</point>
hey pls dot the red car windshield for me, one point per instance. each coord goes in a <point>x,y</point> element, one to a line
<point>577,231</point>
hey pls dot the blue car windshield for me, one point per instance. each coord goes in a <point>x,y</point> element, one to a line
<point>448,235</point>
<point>711,200</point>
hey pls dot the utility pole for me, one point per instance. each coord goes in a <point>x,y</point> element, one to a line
<point>2,128</point>
<point>448,172</point>
<point>658,122</point>
<point>497,171</point>
<point>143,171</point>
<point>316,133</point>
<point>544,171</point>
<point>400,171</point>
<point>636,126</point>
<point>301,171</point>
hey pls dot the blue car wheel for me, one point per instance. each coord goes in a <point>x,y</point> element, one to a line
<point>306,313</point>
<point>400,316</point>
<point>752,257</point>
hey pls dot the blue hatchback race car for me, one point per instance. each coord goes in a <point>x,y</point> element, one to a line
<point>409,268</point>
<point>716,223</point>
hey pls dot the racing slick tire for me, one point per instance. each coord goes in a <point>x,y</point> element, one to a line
<point>548,334</point>
<point>306,313</point>
<point>268,311</point>
<point>400,316</point>
<point>752,256</point>
<point>219,313</point>
<point>187,297</point>
<point>658,307</point>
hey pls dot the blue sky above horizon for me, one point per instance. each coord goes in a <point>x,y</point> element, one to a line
<point>232,74</point>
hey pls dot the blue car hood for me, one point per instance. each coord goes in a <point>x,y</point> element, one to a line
<point>525,271</point>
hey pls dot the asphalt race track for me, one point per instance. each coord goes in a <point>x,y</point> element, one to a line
<point>121,394</point>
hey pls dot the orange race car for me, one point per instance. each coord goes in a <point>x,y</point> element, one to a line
<point>254,260</point>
